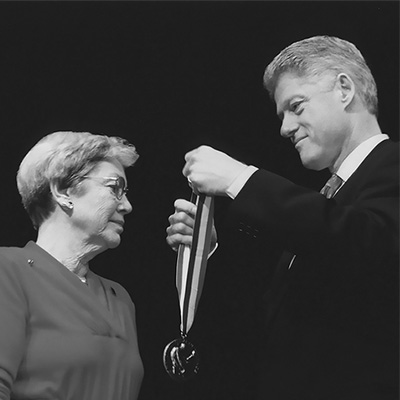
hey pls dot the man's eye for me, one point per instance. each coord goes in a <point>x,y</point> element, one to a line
<point>297,107</point>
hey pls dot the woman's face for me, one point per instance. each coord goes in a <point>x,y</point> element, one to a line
<point>98,215</point>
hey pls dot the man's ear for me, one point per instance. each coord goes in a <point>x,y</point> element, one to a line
<point>61,196</point>
<point>346,87</point>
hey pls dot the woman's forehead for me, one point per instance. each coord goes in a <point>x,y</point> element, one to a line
<point>109,168</point>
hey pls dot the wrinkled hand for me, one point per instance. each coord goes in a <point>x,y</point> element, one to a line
<point>181,223</point>
<point>210,171</point>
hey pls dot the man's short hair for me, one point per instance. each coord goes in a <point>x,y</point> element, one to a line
<point>319,55</point>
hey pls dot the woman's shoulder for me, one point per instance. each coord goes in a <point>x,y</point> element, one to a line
<point>14,266</point>
<point>11,255</point>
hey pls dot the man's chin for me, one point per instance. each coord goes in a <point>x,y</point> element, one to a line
<point>312,163</point>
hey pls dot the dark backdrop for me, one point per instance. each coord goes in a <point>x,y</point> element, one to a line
<point>169,76</point>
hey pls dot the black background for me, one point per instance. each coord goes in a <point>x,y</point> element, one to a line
<point>169,76</point>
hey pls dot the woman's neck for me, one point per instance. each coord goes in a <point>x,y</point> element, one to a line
<point>66,247</point>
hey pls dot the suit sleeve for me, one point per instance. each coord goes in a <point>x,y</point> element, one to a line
<point>13,316</point>
<point>304,220</point>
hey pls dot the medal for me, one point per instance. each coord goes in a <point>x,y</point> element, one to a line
<point>181,359</point>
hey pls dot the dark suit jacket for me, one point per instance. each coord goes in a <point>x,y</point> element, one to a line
<point>61,339</point>
<point>332,318</point>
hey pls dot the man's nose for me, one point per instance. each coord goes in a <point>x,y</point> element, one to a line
<point>289,126</point>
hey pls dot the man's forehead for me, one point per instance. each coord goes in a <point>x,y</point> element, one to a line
<point>290,85</point>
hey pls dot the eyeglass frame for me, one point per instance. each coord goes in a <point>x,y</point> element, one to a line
<point>119,185</point>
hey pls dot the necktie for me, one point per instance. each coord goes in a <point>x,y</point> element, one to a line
<point>332,186</point>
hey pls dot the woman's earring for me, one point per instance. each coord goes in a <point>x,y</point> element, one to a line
<point>68,204</point>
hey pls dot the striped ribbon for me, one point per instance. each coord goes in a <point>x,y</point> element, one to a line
<point>191,262</point>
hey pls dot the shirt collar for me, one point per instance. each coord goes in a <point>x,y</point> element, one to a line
<point>358,155</point>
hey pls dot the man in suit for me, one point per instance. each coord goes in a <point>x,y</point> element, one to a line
<point>331,310</point>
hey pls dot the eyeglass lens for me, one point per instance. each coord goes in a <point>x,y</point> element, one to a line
<point>120,187</point>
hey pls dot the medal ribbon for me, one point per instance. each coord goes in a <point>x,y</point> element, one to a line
<point>191,263</point>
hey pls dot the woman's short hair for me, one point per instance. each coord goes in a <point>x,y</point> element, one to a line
<point>318,55</point>
<point>64,158</point>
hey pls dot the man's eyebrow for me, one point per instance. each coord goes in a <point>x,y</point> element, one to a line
<point>285,105</point>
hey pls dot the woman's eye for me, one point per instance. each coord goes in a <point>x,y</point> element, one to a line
<point>113,188</point>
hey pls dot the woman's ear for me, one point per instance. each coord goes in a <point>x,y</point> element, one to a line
<point>61,196</point>
<point>346,88</point>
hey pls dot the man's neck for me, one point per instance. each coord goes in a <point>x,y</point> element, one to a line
<point>363,128</point>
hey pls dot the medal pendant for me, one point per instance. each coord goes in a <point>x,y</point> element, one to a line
<point>181,359</point>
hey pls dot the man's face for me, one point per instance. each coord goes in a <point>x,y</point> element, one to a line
<point>313,117</point>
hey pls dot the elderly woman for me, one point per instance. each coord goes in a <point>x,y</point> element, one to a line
<point>67,333</point>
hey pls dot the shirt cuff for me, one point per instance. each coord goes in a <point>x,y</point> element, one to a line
<point>237,185</point>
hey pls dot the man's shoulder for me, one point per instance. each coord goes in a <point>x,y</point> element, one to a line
<point>389,146</point>
<point>385,153</point>
<point>380,169</point>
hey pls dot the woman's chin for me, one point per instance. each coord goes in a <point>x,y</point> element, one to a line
<point>113,241</point>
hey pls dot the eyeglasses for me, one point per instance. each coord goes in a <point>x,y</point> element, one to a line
<point>117,184</point>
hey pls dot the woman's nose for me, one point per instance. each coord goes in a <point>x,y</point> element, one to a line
<point>125,206</point>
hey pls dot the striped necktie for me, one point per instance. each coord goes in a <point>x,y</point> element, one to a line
<point>332,186</point>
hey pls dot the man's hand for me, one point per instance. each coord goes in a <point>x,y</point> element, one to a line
<point>180,230</point>
<point>210,171</point>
